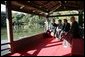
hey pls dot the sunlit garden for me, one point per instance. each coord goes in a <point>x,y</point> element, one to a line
<point>24,25</point>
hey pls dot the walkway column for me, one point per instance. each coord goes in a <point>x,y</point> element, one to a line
<point>48,19</point>
<point>81,18</point>
<point>9,23</point>
<point>46,24</point>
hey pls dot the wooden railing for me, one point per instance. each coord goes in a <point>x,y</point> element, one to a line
<point>5,48</point>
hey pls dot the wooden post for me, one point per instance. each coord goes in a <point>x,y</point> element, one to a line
<point>9,23</point>
<point>48,19</point>
<point>46,24</point>
<point>80,18</point>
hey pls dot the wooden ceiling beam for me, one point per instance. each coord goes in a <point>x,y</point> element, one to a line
<point>65,15</point>
<point>38,6</point>
<point>47,2</point>
<point>32,4</point>
<point>16,8</point>
<point>68,9</point>
<point>25,11</point>
<point>54,7</point>
<point>43,9</point>
<point>17,5</point>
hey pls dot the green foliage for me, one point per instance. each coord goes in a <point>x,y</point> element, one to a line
<point>27,24</point>
<point>3,19</point>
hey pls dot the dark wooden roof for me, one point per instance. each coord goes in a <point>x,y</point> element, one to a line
<point>44,7</point>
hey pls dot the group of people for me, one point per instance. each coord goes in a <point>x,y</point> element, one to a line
<point>65,28</point>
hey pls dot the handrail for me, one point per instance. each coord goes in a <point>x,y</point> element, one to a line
<point>5,43</point>
<point>5,49</point>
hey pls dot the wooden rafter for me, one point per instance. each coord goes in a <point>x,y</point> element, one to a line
<point>38,6</point>
<point>43,6</point>
<point>25,9</point>
<point>55,6</point>
<point>65,15</point>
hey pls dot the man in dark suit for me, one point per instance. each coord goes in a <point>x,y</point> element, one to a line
<point>66,26</point>
<point>65,30</point>
<point>53,27</point>
<point>76,40</point>
<point>59,29</point>
<point>74,28</point>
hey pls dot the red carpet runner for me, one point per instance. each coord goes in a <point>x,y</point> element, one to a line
<point>48,47</point>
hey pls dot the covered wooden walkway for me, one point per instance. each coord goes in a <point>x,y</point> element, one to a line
<point>41,45</point>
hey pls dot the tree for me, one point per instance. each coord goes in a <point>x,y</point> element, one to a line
<point>3,19</point>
